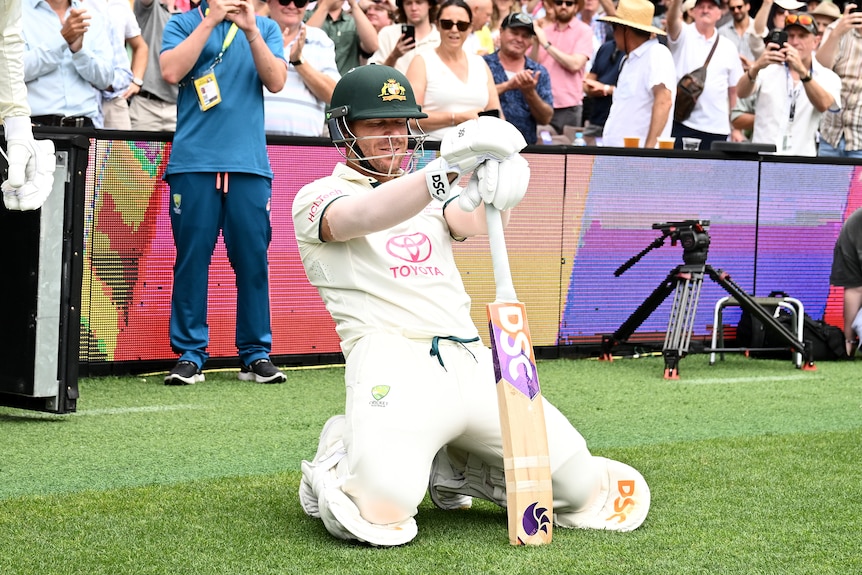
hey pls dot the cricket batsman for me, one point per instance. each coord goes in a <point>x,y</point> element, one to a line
<point>376,241</point>
<point>31,163</point>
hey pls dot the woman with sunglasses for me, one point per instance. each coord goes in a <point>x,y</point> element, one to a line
<point>451,85</point>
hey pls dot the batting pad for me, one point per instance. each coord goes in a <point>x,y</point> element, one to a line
<point>621,503</point>
<point>341,517</point>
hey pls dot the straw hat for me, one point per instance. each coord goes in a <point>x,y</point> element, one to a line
<point>636,14</point>
<point>827,9</point>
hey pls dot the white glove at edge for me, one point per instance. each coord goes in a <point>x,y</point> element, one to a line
<point>35,161</point>
<point>486,138</point>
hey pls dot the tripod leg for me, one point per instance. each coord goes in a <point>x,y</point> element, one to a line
<point>747,303</point>
<point>681,322</point>
<point>640,315</point>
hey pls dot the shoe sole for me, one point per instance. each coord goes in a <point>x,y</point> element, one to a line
<point>174,379</point>
<point>306,490</point>
<point>251,376</point>
<point>455,502</point>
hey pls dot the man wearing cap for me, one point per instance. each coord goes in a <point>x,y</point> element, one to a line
<point>421,411</point>
<point>770,16</point>
<point>690,45</point>
<point>841,51</point>
<point>646,87</point>
<point>523,84</point>
<point>792,90</point>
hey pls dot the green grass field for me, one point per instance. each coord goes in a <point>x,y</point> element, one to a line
<point>754,467</point>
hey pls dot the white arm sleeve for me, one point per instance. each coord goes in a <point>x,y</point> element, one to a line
<point>378,209</point>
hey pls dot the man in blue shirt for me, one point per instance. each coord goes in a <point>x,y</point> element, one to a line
<point>222,56</point>
<point>523,84</point>
<point>68,55</point>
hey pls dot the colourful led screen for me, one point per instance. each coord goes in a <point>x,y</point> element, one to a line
<point>773,226</point>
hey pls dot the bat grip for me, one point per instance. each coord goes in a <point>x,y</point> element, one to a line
<point>499,256</point>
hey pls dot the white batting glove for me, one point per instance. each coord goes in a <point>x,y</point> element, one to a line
<point>38,172</point>
<point>472,142</point>
<point>20,144</point>
<point>501,184</point>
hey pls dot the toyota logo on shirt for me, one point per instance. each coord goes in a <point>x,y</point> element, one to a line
<point>411,248</point>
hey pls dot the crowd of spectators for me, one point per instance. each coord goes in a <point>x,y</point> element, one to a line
<point>780,72</point>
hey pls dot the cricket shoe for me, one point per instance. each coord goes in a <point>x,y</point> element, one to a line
<point>184,373</point>
<point>261,371</point>
<point>621,502</point>
<point>444,481</point>
<point>330,450</point>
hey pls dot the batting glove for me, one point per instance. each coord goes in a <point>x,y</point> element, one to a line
<point>501,184</point>
<point>38,172</point>
<point>472,142</point>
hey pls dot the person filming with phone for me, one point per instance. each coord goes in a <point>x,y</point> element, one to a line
<point>792,89</point>
<point>415,33</point>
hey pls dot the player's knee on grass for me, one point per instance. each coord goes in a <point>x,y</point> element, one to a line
<point>343,520</point>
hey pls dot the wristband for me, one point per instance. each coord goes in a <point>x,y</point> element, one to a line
<point>437,179</point>
<point>548,45</point>
<point>806,79</point>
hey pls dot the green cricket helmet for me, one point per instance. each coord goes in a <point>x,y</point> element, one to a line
<point>371,92</point>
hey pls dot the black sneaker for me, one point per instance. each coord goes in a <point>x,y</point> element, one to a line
<point>261,371</point>
<point>184,373</point>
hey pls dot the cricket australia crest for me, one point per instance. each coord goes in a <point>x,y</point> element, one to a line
<point>392,90</point>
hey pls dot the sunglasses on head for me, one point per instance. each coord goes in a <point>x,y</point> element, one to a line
<point>297,3</point>
<point>564,2</point>
<point>801,19</point>
<point>448,24</point>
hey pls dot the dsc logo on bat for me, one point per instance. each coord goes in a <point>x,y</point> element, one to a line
<point>514,342</point>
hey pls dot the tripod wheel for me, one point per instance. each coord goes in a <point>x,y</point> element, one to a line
<point>671,373</point>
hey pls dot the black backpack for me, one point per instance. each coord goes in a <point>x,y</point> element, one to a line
<point>827,340</point>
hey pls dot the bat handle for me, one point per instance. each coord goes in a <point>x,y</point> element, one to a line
<point>499,256</point>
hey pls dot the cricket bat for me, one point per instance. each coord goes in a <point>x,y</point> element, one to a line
<point>529,497</point>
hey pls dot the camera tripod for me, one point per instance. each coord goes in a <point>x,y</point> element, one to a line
<point>686,281</point>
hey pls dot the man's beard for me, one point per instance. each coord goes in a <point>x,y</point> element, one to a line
<point>568,18</point>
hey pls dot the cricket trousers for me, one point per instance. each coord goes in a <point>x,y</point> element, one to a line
<point>402,406</point>
<point>238,206</point>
